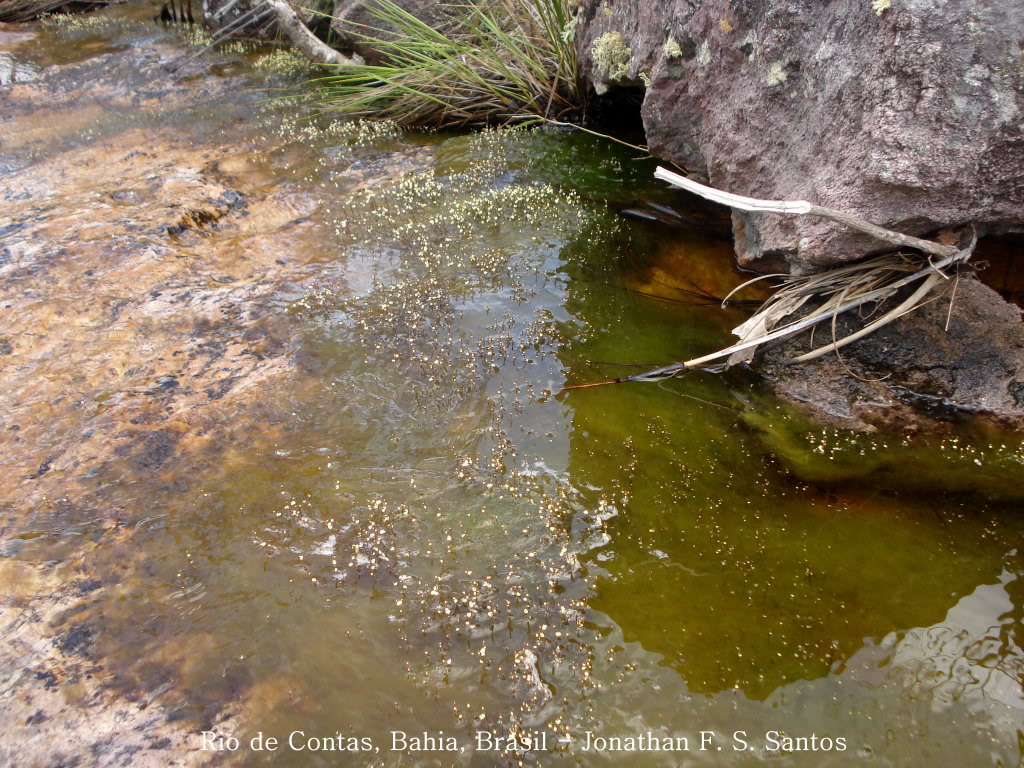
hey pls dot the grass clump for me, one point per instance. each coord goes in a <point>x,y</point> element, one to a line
<point>499,62</point>
<point>27,10</point>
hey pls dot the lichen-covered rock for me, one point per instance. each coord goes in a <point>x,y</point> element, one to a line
<point>610,55</point>
<point>904,112</point>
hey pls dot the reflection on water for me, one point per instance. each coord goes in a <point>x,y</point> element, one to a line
<point>971,659</point>
<point>317,474</point>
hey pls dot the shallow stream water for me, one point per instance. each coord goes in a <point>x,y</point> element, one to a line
<point>394,520</point>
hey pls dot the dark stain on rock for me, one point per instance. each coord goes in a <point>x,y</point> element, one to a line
<point>933,406</point>
<point>163,384</point>
<point>1016,390</point>
<point>231,199</point>
<point>36,719</point>
<point>148,417</point>
<point>265,340</point>
<point>157,447</point>
<point>9,229</point>
<point>48,678</point>
<point>195,218</point>
<point>128,753</point>
<point>76,640</point>
<point>86,586</point>
<point>115,309</point>
<point>43,469</point>
<point>220,389</point>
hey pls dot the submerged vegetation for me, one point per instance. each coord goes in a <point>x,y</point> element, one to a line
<point>500,62</point>
<point>283,61</point>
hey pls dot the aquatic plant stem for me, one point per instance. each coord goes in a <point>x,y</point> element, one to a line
<point>638,147</point>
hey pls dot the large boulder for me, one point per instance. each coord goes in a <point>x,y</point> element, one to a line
<point>904,112</point>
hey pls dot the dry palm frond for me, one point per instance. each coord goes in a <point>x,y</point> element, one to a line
<point>503,61</point>
<point>830,292</point>
<point>838,290</point>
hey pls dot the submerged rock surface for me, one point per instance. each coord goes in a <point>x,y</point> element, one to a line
<point>140,255</point>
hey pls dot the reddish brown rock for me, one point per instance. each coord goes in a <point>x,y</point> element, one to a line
<point>906,113</point>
